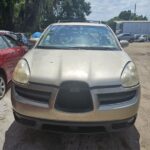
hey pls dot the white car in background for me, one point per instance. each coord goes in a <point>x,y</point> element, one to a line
<point>143,38</point>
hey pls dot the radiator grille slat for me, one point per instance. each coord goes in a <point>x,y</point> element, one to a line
<point>111,98</point>
<point>34,95</point>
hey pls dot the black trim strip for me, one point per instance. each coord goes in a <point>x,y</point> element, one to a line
<point>43,84</point>
<point>103,87</point>
<point>94,87</point>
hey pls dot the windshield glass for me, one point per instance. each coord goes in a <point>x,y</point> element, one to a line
<point>78,37</point>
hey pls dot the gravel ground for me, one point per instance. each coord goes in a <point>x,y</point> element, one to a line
<point>16,137</point>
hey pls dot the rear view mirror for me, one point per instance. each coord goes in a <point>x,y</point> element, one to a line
<point>124,43</point>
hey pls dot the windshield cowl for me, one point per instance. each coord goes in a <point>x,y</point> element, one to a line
<point>77,48</point>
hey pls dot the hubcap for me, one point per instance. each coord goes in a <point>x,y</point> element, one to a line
<point>2,87</point>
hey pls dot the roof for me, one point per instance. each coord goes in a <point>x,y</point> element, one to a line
<point>4,32</point>
<point>8,33</point>
<point>80,23</point>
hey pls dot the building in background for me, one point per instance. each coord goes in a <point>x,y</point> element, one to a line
<point>133,27</point>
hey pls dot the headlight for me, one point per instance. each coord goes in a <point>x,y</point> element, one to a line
<point>21,73</point>
<point>129,76</point>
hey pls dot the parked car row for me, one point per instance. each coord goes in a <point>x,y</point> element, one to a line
<point>133,37</point>
<point>11,51</point>
<point>29,41</point>
<point>126,36</point>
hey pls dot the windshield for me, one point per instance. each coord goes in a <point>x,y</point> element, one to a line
<point>78,37</point>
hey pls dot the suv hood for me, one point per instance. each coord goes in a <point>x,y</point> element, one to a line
<point>97,68</point>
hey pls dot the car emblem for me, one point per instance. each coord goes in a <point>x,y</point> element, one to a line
<point>74,90</point>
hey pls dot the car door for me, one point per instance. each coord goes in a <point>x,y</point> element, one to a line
<point>7,57</point>
<point>18,49</point>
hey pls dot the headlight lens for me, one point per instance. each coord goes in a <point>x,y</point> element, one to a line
<point>21,73</point>
<point>129,76</point>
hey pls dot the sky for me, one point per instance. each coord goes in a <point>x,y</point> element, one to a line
<point>104,10</point>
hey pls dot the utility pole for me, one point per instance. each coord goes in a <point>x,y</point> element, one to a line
<point>135,10</point>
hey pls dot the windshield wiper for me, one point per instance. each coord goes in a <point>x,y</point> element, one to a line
<point>49,47</point>
<point>95,48</point>
<point>78,48</point>
<point>56,47</point>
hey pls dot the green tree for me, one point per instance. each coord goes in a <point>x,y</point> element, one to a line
<point>6,14</point>
<point>112,24</point>
<point>71,9</point>
<point>37,14</point>
<point>125,15</point>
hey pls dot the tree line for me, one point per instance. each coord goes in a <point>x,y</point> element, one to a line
<point>34,15</point>
<point>31,15</point>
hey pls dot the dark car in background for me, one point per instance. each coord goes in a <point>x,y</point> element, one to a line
<point>10,33</point>
<point>126,36</point>
<point>10,53</point>
<point>21,37</point>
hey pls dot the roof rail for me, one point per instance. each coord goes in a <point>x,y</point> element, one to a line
<point>94,21</point>
<point>78,20</point>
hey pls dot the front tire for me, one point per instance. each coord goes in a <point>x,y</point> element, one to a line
<point>2,86</point>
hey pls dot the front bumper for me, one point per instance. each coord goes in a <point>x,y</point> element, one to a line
<point>100,113</point>
<point>74,127</point>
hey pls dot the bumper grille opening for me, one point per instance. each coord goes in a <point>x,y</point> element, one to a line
<point>126,124</point>
<point>37,96</point>
<point>74,97</point>
<point>24,121</point>
<point>111,98</point>
<point>70,129</point>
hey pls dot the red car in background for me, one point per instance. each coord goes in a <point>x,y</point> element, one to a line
<point>10,52</point>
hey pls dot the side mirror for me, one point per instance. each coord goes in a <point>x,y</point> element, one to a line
<point>124,43</point>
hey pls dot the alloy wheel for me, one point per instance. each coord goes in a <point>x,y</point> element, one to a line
<point>2,87</point>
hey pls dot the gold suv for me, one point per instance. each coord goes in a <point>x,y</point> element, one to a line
<point>76,77</point>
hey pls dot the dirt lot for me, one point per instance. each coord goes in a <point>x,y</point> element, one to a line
<point>16,137</point>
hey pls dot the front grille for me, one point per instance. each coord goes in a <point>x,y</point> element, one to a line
<point>74,97</point>
<point>33,95</point>
<point>111,98</point>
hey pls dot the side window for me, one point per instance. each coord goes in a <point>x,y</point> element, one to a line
<point>3,44</point>
<point>11,41</point>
